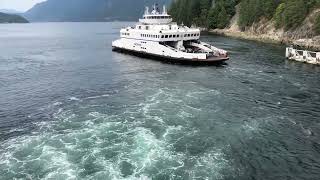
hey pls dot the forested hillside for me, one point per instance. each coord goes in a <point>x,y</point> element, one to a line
<point>204,13</point>
<point>287,14</point>
<point>11,18</point>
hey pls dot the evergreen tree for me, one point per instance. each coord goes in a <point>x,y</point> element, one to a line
<point>317,25</point>
<point>253,10</point>
<point>223,19</point>
<point>291,13</point>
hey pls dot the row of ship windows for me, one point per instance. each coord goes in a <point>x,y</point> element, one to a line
<point>168,36</point>
<point>125,34</point>
<point>157,17</point>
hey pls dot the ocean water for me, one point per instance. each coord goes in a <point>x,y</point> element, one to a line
<point>70,108</point>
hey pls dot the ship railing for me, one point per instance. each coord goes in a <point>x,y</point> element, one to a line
<point>173,49</point>
<point>303,55</point>
<point>216,51</point>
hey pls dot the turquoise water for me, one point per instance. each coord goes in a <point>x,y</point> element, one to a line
<point>70,108</point>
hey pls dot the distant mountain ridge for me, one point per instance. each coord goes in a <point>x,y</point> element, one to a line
<point>11,18</point>
<point>89,10</point>
<point>10,11</point>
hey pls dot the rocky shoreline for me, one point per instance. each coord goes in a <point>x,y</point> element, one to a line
<point>303,37</point>
<point>306,43</point>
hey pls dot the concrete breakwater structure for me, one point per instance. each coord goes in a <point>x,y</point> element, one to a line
<point>303,56</point>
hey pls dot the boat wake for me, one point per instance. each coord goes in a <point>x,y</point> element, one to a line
<point>137,143</point>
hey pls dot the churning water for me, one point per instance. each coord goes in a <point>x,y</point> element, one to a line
<point>70,108</point>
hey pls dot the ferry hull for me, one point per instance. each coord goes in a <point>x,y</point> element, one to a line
<point>169,59</point>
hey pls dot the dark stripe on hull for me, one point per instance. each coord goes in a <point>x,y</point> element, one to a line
<point>210,61</point>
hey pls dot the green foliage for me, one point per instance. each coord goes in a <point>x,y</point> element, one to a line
<point>217,13</point>
<point>205,6</point>
<point>183,11</point>
<point>203,13</point>
<point>317,25</point>
<point>253,10</point>
<point>291,13</point>
<point>278,16</point>
<point>294,13</point>
<point>311,4</point>
<point>220,14</point>
<point>191,12</point>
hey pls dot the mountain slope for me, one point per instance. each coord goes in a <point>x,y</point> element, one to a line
<point>10,11</point>
<point>10,18</point>
<point>89,10</point>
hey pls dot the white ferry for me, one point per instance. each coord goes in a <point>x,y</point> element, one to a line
<point>158,37</point>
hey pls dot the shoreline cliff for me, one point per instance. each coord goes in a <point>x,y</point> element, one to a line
<point>291,22</point>
<point>265,31</point>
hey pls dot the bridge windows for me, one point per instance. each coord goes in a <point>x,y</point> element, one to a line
<point>157,17</point>
<point>165,36</point>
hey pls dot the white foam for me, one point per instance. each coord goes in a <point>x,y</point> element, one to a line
<point>58,160</point>
<point>209,165</point>
<point>57,103</point>
<point>97,97</point>
<point>171,129</point>
<point>74,99</point>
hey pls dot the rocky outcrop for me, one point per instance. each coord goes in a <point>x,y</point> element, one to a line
<point>265,31</point>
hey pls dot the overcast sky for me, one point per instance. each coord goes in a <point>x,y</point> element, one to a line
<point>19,5</point>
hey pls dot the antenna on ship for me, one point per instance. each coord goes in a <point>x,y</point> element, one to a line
<point>154,9</point>
<point>146,12</point>
<point>164,10</point>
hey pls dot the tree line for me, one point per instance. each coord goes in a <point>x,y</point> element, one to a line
<point>213,14</point>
